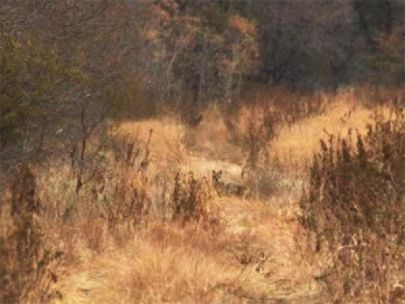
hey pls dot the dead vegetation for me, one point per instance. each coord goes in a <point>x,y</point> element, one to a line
<point>355,207</point>
<point>25,254</point>
<point>163,152</point>
<point>211,214</point>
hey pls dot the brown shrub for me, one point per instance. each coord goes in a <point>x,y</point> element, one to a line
<point>191,198</point>
<point>355,208</point>
<point>25,256</point>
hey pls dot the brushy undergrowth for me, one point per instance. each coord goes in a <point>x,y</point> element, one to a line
<point>44,215</point>
<point>25,256</point>
<point>355,209</point>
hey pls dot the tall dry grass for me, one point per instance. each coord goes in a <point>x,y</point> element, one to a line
<point>44,217</point>
<point>147,225</point>
<point>355,206</point>
<point>295,144</point>
<point>242,262</point>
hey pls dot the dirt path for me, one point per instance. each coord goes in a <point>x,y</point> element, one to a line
<point>274,252</point>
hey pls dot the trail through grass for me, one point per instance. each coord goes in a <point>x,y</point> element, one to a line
<point>253,258</point>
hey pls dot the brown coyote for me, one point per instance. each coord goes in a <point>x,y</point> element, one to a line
<point>228,188</point>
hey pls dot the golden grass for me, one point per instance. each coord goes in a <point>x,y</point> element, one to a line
<point>144,272</point>
<point>247,262</point>
<point>253,256</point>
<point>166,147</point>
<point>173,143</point>
<point>295,145</point>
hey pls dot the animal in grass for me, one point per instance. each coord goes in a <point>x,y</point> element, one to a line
<point>228,188</point>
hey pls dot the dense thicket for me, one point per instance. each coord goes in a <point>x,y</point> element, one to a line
<point>355,208</point>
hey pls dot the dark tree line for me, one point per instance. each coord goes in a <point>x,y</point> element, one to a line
<point>311,43</point>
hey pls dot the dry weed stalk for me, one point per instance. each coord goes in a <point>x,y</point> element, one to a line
<point>261,131</point>
<point>25,257</point>
<point>355,207</point>
<point>191,198</point>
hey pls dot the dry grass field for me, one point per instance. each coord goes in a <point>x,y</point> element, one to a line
<point>202,152</point>
<point>145,229</point>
